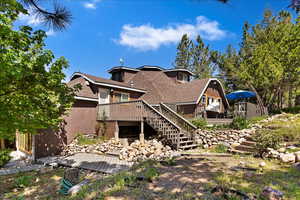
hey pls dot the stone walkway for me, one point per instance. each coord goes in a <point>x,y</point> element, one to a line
<point>95,162</point>
<point>28,168</point>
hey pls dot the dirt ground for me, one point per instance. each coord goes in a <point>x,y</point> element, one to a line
<point>188,177</point>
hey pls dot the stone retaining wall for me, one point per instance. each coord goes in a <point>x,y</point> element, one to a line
<point>208,138</point>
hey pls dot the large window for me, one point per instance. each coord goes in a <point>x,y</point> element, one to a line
<point>117,76</point>
<point>121,97</point>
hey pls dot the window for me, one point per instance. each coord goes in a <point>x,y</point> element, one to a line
<point>203,100</point>
<point>183,77</point>
<point>117,76</point>
<point>121,97</point>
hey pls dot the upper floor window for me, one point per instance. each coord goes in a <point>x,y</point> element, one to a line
<point>183,77</point>
<point>121,97</point>
<point>117,76</point>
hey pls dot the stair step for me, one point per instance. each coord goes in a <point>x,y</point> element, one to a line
<point>186,141</point>
<point>249,138</point>
<point>188,146</point>
<point>240,152</point>
<point>249,143</point>
<point>245,148</point>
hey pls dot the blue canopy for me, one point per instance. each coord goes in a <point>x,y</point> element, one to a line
<point>240,94</point>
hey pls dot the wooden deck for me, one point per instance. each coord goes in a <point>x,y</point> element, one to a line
<point>164,120</point>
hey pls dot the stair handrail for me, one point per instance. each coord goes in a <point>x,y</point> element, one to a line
<point>166,118</point>
<point>179,116</point>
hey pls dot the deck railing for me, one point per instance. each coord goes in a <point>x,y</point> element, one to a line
<point>177,119</point>
<point>141,111</point>
<point>121,111</point>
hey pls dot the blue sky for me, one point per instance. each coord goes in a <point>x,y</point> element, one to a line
<point>146,31</point>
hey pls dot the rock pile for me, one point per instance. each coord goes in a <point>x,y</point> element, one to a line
<point>110,145</point>
<point>208,138</point>
<point>283,155</point>
<point>150,149</point>
<point>136,151</point>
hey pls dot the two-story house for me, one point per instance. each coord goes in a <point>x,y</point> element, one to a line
<point>137,103</point>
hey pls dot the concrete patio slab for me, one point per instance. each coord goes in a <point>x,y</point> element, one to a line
<point>94,162</point>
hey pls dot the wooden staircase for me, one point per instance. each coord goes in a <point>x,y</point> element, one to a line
<point>184,129</point>
<point>174,128</point>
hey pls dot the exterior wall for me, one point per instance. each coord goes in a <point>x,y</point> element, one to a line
<point>187,111</point>
<point>107,129</point>
<point>81,119</point>
<point>214,91</point>
<point>132,95</point>
<point>49,142</point>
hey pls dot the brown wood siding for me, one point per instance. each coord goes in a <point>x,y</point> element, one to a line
<point>187,111</point>
<point>49,142</point>
<point>107,129</point>
<point>81,119</point>
<point>214,91</point>
<point>132,95</point>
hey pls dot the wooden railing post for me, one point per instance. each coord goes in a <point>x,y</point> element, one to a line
<point>142,136</point>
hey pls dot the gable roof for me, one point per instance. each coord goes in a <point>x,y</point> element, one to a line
<point>107,82</point>
<point>162,89</point>
<point>156,86</point>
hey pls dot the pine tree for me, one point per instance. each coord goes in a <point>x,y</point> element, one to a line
<point>183,56</point>
<point>201,56</point>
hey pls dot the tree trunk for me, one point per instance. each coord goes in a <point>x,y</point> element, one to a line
<point>290,95</point>
<point>259,100</point>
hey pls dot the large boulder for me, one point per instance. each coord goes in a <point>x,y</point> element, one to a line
<point>288,158</point>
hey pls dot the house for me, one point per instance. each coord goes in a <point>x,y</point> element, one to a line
<point>137,103</point>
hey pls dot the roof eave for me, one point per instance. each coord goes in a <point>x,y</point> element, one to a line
<point>108,84</point>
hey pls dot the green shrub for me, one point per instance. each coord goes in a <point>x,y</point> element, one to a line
<point>256,119</point>
<point>23,181</point>
<point>151,173</point>
<point>199,122</point>
<point>4,157</point>
<point>84,140</point>
<point>220,148</point>
<point>267,139</point>
<point>239,123</point>
<point>293,110</point>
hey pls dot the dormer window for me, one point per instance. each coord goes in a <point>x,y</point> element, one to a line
<point>117,76</point>
<point>182,77</point>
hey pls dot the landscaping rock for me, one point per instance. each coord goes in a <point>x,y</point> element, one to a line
<point>288,158</point>
<point>269,193</point>
<point>297,155</point>
<point>297,166</point>
<point>282,150</point>
<point>208,138</point>
<point>150,149</point>
<point>262,164</point>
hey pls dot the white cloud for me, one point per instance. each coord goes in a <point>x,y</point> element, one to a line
<point>50,33</point>
<point>91,4</point>
<point>147,37</point>
<point>31,18</point>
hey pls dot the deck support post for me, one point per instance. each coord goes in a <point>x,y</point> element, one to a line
<point>142,136</point>
<point>116,131</point>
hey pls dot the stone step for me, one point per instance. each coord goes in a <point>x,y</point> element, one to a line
<point>249,138</point>
<point>191,146</point>
<point>240,152</point>
<point>245,148</point>
<point>249,143</point>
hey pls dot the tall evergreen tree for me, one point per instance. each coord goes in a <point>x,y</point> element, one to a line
<point>201,60</point>
<point>183,57</point>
